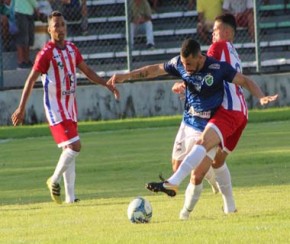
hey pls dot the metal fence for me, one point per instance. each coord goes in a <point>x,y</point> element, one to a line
<point>101,29</point>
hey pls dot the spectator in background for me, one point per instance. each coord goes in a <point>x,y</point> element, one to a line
<point>141,20</point>
<point>73,10</point>
<point>207,11</point>
<point>243,11</point>
<point>24,17</point>
<point>4,23</point>
<point>154,4</point>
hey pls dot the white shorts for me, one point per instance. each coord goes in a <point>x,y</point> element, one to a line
<point>185,139</point>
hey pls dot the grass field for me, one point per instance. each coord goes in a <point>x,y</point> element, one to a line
<point>117,159</point>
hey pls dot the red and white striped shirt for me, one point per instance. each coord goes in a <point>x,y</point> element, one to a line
<point>58,69</point>
<point>233,94</point>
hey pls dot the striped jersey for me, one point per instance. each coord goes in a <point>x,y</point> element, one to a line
<point>58,75</point>
<point>204,89</point>
<point>233,95</point>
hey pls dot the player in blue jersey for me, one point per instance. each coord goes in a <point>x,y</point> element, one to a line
<point>221,49</point>
<point>203,77</point>
<point>220,128</point>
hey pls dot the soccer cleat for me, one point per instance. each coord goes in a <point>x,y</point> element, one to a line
<point>164,186</point>
<point>184,214</point>
<point>54,189</point>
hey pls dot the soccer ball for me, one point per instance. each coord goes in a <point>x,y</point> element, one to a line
<point>139,210</point>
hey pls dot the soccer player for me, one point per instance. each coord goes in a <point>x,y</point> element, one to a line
<point>223,127</point>
<point>57,63</point>
<point>222,49</point>
<point>203,77</point>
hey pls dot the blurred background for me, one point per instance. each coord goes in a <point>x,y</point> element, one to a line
<point>113,36</point>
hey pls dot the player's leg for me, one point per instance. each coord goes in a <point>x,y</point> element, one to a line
<point>223,178</point>
<point>194,188</point>
<point>209,139</point>
<point>66,136</point>
<point>69,176</point>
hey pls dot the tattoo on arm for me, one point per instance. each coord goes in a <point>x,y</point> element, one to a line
<point>143,74</point>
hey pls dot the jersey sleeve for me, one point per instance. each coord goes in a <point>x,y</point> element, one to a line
<point>171,67</point>
<point>79,57</point>
<point>215,50</point>
<point>42,61</point>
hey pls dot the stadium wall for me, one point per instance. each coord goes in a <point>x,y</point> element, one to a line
<point>139,99</point>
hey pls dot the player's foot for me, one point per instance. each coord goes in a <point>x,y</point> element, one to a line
<point>163,186</point>
<point>54,189</point>
<point>184,214</point>
<point>229,212</point>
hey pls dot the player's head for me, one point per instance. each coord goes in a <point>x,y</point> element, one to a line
<point>224,28</point>
<point>56,26</point>
<point>191,56</point>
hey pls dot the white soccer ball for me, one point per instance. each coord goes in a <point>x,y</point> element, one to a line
<point>139,210</point>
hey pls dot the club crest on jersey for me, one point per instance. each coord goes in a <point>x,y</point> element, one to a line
<point>208,79</point>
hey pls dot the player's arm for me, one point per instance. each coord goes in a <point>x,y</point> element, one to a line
<point>150,71</point>
<point>94,78</point>
<point>253,88</point>
<point>18,116</point>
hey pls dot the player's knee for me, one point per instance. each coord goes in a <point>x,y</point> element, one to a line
<point>76,146</point>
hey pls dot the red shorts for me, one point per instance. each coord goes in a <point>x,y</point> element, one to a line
<point>65,133</point>
<point>229,125</point>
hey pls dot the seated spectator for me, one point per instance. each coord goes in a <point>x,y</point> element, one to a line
<point>141,20</point>
<point>4,23</point>
<point>207,11</point>
<point>73,10</point>
<point>243,11</point>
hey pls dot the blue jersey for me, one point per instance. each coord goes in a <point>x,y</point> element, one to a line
<point>204,89</point>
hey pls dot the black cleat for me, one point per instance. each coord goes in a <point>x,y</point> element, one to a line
<point>164,186</point>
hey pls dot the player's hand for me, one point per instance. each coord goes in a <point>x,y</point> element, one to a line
<point>116,78</point>
<point>17,117</point>
<point>114,90</point>
<point>179,88</point>
<point>267,99</point>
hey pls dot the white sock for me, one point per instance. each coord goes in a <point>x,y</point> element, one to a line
<point>66,158</point>
<point>210,177</point>
<point>69,177</point>
<point>223,178</point>
<point>192,194</point>
<point>191,161</point>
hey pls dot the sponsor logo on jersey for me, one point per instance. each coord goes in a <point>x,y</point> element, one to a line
<point>204,114</point>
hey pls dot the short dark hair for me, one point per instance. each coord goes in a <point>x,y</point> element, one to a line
<point>228,19</point>
<point>54,14</point>
<point>190,47</point>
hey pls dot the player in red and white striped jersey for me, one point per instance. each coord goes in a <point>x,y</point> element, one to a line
<point>57,63</point>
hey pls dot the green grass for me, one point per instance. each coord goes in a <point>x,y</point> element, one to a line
<point>117,159</point>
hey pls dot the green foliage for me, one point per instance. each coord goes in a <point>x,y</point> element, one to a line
<point>117,159</point>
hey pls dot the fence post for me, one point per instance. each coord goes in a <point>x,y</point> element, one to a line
<point>257,36</point>
<point>128,33</point>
